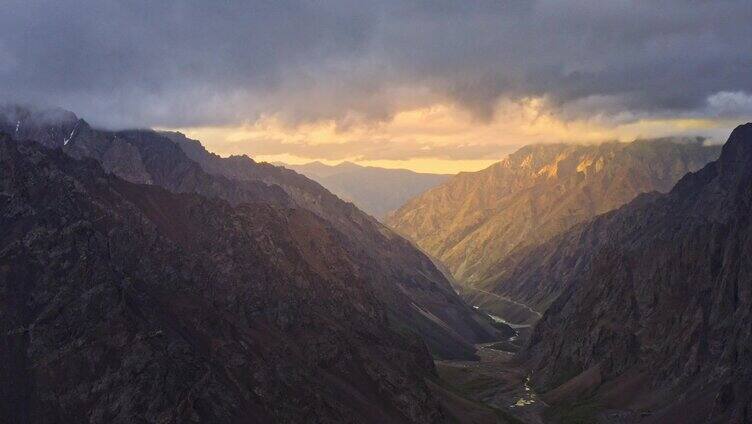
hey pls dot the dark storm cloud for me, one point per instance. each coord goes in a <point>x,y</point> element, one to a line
<point>169,63</point>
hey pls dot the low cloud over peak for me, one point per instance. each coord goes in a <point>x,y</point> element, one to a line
<point>233,64</point>
<point>186,63</point>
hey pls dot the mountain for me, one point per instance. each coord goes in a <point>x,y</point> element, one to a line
<point>655,316</point>
<point>417,296</point>
<point>475,221</point>
<point>128,303</point>
<point>376,191</point>
<point>316,170</point>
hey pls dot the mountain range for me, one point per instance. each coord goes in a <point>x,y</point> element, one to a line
<point>224,314</point>
<point>415,291</point>
<point>376,191</point>
<point>653,320</point>
<point>145,278</point>
<point>475,222</point>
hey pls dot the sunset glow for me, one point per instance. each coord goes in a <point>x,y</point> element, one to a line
<point>440,138</point>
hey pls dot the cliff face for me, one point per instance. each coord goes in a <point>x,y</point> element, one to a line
<point>417,296</point>
<point>657,314</point>
<point>475,221</point>
<point>129,303</point>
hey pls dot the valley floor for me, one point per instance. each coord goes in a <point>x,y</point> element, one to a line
<point>492,389</point>
<point>497,381</point>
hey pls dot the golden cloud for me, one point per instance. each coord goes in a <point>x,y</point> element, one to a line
<point>437,138</point>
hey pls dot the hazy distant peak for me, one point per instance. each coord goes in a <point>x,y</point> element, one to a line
<point>374,190</point>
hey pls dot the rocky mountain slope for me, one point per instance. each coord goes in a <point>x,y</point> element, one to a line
<point>128,303</point>
<point>376,191</point>
<point>417,296</point>
<point>655,311</point>
<point>473,222</point>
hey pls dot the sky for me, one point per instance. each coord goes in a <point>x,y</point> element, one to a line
<point>435,86</point>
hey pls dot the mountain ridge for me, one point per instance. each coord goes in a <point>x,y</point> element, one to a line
<point>478,222</point>
<point>401,276</point>
<point>662,300</point>
<point>226,314</point>
<point>377,191</point>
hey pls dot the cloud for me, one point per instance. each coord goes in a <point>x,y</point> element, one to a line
<point>730,104</point>
<point>192,63</point>
<point>369,149</point>
<point>436,135</point>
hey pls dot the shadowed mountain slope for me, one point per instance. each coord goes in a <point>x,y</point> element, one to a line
<point>128,303</point>
<point>655,310</point>
<point>417,296</point>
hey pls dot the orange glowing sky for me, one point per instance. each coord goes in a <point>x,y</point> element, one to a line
<point>440,138</point>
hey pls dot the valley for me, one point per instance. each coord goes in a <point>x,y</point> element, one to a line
<point>272,297</point>
<point>496,380</point>
<point>593,343</point>
<point>390,212</point>
<point>534,344</point>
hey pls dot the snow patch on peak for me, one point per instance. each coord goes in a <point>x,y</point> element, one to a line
<point>73,131</point>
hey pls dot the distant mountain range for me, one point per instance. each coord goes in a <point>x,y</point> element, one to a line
<point>475,221</point>
<point>654,314</point>
<point>146,279</point>
<point>374,190</point>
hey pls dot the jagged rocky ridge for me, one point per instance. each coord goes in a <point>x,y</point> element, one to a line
<point>656,303</point>
<point>475,221</point>
<point>418,297</point>
<point>126,303</point>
